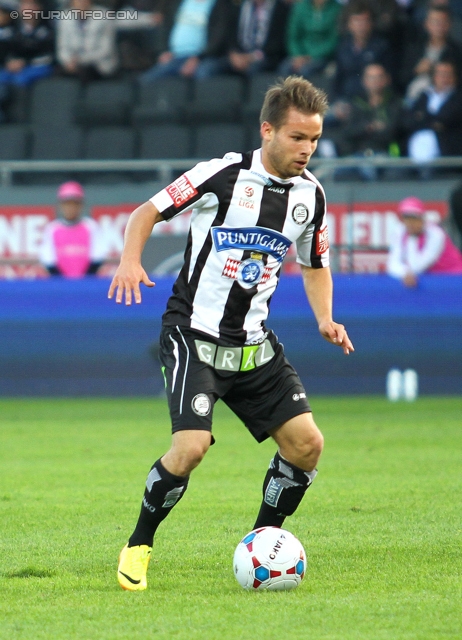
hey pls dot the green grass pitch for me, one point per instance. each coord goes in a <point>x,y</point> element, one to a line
<point>381,525</point>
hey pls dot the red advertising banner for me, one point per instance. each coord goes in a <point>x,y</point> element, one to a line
<point>21,230</point>
<point>359,234</point>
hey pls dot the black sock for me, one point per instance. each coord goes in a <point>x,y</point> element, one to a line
<point>283,490</point>
<point>163,491</point>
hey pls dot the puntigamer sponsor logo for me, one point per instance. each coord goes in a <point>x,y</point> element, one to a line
<point>251,239</point>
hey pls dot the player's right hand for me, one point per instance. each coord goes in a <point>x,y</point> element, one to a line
<point>127,281</point>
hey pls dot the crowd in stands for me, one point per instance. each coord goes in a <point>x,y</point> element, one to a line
<point>392,68</point>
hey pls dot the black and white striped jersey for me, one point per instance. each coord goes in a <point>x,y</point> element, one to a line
<point>242,225</point>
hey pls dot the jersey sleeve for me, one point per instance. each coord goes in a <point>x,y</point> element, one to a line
<point>313,244</point>
<point>195,187</point>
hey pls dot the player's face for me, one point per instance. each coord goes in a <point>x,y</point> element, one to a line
<point>286,151</point>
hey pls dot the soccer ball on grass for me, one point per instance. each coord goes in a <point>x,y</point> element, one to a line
<point>269,558</point>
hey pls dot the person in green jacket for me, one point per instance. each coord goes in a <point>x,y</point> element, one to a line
<point>312,36</point>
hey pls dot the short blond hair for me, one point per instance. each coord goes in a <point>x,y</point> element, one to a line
<point>293,92</point>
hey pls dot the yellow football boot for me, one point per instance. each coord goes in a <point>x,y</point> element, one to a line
<point>133,566</point>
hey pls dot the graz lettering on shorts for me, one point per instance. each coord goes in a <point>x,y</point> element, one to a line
<point>234,358</point>
<point>251,239</point>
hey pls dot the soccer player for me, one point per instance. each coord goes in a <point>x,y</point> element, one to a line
<point>247,209</point>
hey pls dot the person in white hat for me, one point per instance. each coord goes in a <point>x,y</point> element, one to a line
<point>420,246</point>
<point>72,245</point>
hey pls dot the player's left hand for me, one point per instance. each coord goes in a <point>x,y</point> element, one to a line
<point>336,334</point>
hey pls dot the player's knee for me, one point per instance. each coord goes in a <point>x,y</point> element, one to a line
<point>310,447</point>
<point>317,443</point>
<point>313,439</point>
<point>186,454</point>
<point>197,452</point>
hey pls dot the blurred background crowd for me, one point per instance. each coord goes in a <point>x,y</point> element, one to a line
<point>139,78</point>
<point>175,81</point>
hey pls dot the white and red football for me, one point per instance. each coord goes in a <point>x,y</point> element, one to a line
<point>269,558</point>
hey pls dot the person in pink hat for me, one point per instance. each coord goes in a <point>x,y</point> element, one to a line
<point>72,245</point>
<point>420,246</point>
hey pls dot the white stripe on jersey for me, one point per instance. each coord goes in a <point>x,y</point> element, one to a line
<point>210,300</point>
<point>201,221</point>
<point>259,309</point>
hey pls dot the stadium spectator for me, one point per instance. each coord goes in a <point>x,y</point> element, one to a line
<point>421,54</point>
<point>419,246</point>
<point>257,41</point>
<point>139,41</point>
<point>30,51</point>
<point>434,122</point>
<point>390,22</point>
<point>199,30</point>
<point>312,37</point>
<point>419,10</point>
<point>72,245</point>
<point>371,127</point>
<point>86,46</point>
<point>358,47</point>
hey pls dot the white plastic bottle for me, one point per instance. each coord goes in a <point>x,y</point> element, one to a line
<point>394,385</point>
<point>410,385</point>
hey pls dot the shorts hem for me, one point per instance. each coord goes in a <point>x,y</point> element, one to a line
<point>260,437</point>
<point>192,428</point>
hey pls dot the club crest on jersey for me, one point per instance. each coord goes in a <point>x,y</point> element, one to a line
<point>249,272</point>
<point>322,241</point>
<point>300,213</point>
<point>258,239</point>
<point>181,190</point>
